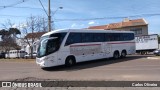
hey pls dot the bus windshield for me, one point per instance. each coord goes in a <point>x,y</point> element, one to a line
<point>47,47</point>
<point>50,45</point>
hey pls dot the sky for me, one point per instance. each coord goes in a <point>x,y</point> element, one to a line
<point>82,13</point>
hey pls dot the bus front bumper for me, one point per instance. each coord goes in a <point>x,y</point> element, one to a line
<point>43,62</point>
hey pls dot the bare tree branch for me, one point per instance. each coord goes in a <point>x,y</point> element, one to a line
<point>34,25</point>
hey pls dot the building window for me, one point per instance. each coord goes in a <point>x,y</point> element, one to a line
<point>137,31</point>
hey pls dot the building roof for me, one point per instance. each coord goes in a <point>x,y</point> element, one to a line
<point>125,23</point>
<point>34,35</point>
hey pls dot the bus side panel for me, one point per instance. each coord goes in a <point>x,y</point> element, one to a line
<point>81,52</point>
<point>61,56</point>
<point>86,51</point>
<point>128,46</point>
<point>93,51</point>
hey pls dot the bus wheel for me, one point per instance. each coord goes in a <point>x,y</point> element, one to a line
<point>70,61</point>
<point>116,55</point>
<point>123,54</point>
<point>143,53</point>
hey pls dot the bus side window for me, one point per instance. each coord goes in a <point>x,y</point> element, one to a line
<point>131,36</point>
<point>73,38</point>
<point>77,38</point>
<point>87,37</point>
<point>128,36</point>
<point>69,39</point>
<point>99,37</point>
<point>110,37</point>
<point>106,37</point>
<point>117,37</point>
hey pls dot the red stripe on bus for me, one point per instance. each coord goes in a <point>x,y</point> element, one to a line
<point>120,42</point>
<point>85,45</point>
<point>100,44</point>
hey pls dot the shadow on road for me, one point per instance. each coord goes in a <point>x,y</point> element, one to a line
<point>95,63</point>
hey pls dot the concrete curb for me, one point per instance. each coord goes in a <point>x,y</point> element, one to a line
<point>153,58</point>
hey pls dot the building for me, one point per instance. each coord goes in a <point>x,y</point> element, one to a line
<point>31,39</point>
<point>139,26</point>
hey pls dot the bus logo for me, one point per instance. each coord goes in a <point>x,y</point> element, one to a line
<point>6,84</point>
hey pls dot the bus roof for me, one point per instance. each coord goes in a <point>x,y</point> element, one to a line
<point>86,30</point>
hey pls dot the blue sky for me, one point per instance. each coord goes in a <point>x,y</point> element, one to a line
<point>84,9</point>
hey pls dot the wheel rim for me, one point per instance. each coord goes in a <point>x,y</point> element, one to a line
<point>116,55</point>
<point>123,54</point>
<point>70,61</point>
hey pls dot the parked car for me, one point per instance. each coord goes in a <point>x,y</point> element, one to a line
<point>2,55</point>
<point>157,52</point>
<point>27,56</point>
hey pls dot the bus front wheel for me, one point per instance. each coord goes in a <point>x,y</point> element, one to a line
<point>70,61</point>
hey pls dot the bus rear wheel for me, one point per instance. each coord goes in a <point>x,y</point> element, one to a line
<point>70,61</point>
<point>123,54</point>
<point>116,55</point>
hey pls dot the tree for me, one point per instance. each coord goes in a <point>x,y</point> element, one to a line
<point>8,24</point>
<point>4,34</point>
<point>33,25</point>
<point>14,32</point>
<point>9,30</point>
<point>9,38</point>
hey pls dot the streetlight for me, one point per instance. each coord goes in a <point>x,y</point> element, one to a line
<point>49,15</point>
<point>56,10</point>
<point>54,14</point>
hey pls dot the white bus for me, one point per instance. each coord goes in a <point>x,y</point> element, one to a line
<point>70,46</point>
<point>15,54</point>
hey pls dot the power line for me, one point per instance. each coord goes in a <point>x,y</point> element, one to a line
<point>11,5</point>
<point>28,8</point>
<point>88,19</point>
<point>103,18</point>
<point>43,7</point>
<point>12,16</point>
<point>23,7</point>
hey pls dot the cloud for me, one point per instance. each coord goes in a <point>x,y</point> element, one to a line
<point>14,26</point>
<point>75,25</point>
<point>151,32</point>
<point>91,22</point>
<point>23,25</point>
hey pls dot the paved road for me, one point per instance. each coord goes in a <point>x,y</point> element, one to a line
<point>131,68</point>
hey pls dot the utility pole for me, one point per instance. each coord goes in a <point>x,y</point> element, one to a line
<point>44,27</point>
<point>49,16</point>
